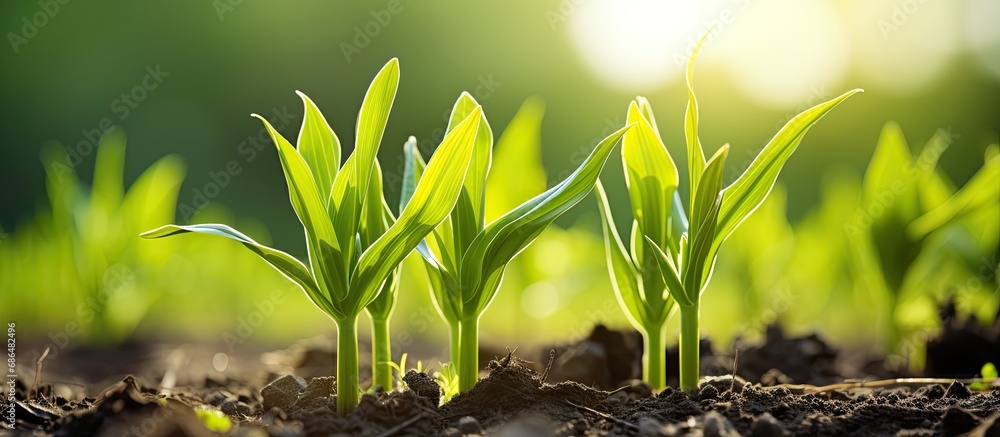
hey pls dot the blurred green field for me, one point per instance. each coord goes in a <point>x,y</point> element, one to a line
<point>180,80</point>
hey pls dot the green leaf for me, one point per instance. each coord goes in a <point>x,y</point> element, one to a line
<point>491,251</point>
<point>382,306</point>
<point>745,194</point>
<point>109,168</point>
<point>678,224</point>
<point>435,196</point>
<point>213,420</point>
<point>982,190</point>
<point>650,175</point>
<point>445,292</point>
<point>891,170</point>
<point>284,263</point>
<point>696,154</point>
<point>152,198</point>
<point>671,277</point>
<point>517,173</point>
<point>413,169</point>
<point>323,247</point>
<point>372,118</point>
<point>375,218</point>
<point>351,184</point>
<point>624,275</point>
<point>319,147</point>
<point>708,200</point>
<point>468,218</point>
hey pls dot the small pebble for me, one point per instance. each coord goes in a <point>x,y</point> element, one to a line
<point>716,425</point>
<point>220,397</point>
<point>649,427</point>
<point>451,432</point>
<point>319,387</point>
<point>233,408</point>
<point>469,425</point>
<point>282,392</point>
<point>767,426</point>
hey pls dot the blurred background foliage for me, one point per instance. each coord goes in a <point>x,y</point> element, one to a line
<point>182,78</point>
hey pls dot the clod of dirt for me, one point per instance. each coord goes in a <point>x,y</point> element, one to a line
<point>319,387</point>
<point>469,425</point>
<point>388,413</point>
<point>716,425</point>
<point>957,390</point>
<point>957,421</point>
<point>533,426</point>
<point>124,409</point>
<point>989,427</point>
<point>512,389</point>
<point>962,345</point>
<point>766,426</point>
<point>933,391</point>
<point>423,386</point>
<point>604,360</point>
<point>723,383</point>
<point>634,389</point>
<point>282,392</point>
<point>649,427</point>
<point>782,360</point>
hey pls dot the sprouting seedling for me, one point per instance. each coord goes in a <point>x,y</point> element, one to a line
<point>905,202</point>
<point>988,376</point>
<point>466,258</point>
<point>401,369</point>
<point>354,242</point>
<point>97,229</point>
<point>673,251</point>
<point>447,379</point>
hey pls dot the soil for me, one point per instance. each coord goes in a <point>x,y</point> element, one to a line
<point>587,388</point>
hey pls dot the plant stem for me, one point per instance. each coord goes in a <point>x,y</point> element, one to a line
<point>468,367</point>
<point>892,336</point>
<point>690,340</point>
<point>381,354</point>
<point>348,386</point>
<point>654,369</point>
<point>455,343</point>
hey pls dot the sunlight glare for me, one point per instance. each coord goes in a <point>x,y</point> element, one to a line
<point>634,45</point>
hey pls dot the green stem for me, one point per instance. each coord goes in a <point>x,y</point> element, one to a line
<point>654,368</point>
<point>892,336</point>
<point>381,354</point>
<point>348,386</point>
<point>689,348</point>
<point>455,343</point>
<point>468,367</point>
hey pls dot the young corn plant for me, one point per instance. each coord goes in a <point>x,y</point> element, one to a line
<point>673,249</point>
<point>88,241</point>
<point>466,258</point>
<point>354,243</point>
<point>910,214</point>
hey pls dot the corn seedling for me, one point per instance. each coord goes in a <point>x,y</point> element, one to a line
<point>673,252</point>
<point>87,244</point>
<point>354,243</point>
<point>988,377</point>
<point>908,209</point>
<point>466,258</point>
<point>400,369</point>
<point>447,379</point>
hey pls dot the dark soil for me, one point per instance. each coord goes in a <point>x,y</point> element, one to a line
<point>587,388</point>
